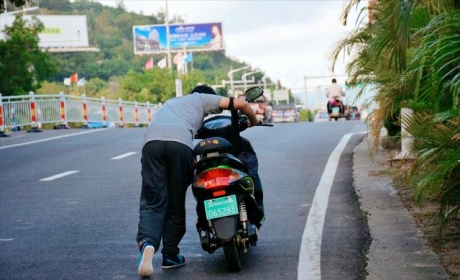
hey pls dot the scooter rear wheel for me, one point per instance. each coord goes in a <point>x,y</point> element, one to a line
<point>232,255</point>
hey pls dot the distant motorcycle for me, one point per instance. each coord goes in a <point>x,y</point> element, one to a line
<point>228,214</point>
<point>336,108</point>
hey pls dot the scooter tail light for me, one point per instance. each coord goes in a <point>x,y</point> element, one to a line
<point>217,178</point>
<point>219,193</point>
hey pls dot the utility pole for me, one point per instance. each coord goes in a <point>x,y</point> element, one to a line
<point>168,41</point>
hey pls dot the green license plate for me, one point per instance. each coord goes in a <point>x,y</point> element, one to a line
<point>221,207</point>
<point>335,110</point>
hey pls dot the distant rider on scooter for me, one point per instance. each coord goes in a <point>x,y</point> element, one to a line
<point>333,92</point>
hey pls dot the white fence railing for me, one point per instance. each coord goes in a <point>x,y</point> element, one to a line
<point>35,110</point>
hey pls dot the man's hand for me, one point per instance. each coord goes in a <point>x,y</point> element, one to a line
<point>251,125</point>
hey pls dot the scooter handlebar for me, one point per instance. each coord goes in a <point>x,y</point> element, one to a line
<point>264,124</point>
<point>243,123</point>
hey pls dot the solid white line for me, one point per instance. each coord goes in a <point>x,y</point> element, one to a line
<point>60,175</point>
<point>309,267</point>
<point>51,138</point>
<point>123,155</point>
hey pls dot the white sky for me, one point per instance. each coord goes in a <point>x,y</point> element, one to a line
<point>286,39</point>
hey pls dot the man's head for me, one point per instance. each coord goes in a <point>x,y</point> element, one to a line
<point>334,81</point>
<point>203,89</point>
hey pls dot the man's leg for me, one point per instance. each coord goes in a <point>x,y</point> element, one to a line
<point>153,200</point>
<point>259,196</point>
<point>258,191</point>
<point>329,109</point>
<point>180,171</point>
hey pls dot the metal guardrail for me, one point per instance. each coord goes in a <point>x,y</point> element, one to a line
<point>60,109</point>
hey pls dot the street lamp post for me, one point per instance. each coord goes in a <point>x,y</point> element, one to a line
<point>230,75</point>
<point>244,78</point>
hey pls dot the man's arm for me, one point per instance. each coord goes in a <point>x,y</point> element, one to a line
<point>240,104</point>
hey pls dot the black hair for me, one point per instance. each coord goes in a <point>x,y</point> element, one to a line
<point>203,89</point>
<point>334,80</point>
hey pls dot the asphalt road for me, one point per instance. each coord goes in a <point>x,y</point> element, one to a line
<point>69,206</point>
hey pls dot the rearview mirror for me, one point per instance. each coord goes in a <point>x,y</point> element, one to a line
<point>253,93</point>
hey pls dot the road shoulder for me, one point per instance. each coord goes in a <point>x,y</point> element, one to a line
<point>398,250</point>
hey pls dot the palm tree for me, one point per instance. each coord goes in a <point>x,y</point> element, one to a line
<point>379,52</point>
<point>412,53</point>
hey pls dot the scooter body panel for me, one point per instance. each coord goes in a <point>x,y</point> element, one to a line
<point>226,228</point>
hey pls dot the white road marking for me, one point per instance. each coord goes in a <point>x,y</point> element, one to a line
<point>60,175</point>
<point>51,138</point>
<point>124,155</point>
<point>309,267</point>
<point>6,239</point>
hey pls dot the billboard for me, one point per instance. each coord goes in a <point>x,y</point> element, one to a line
<point>60,31</point>
<point>152,39</point>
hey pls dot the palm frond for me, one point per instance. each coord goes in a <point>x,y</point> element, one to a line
<point>412,53</point>
<point>436,170</point>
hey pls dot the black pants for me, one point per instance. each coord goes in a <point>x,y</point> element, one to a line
<point>166,175</point>
<point>249,157</point>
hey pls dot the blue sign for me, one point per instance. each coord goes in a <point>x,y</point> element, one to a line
<point>152,39</point>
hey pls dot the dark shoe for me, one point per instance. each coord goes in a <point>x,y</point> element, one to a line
<point>174,261</point>
<point>145,260</point>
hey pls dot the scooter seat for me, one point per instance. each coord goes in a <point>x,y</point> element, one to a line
<point>225,159</point>
<point>212,144</point>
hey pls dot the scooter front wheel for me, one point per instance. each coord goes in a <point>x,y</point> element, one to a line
<point>232,255</point>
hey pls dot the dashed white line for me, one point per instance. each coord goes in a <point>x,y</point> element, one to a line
<point>6,239</point>
<point>124,155</point>
<point>60,175</point>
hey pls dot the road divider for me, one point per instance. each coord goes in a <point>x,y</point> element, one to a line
<point>36,110</point>
<point>2,122</point>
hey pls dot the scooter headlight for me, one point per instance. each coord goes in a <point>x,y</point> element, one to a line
<point>217,178</point>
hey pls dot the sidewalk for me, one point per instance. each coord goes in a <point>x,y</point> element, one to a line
<point>397,249</point>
